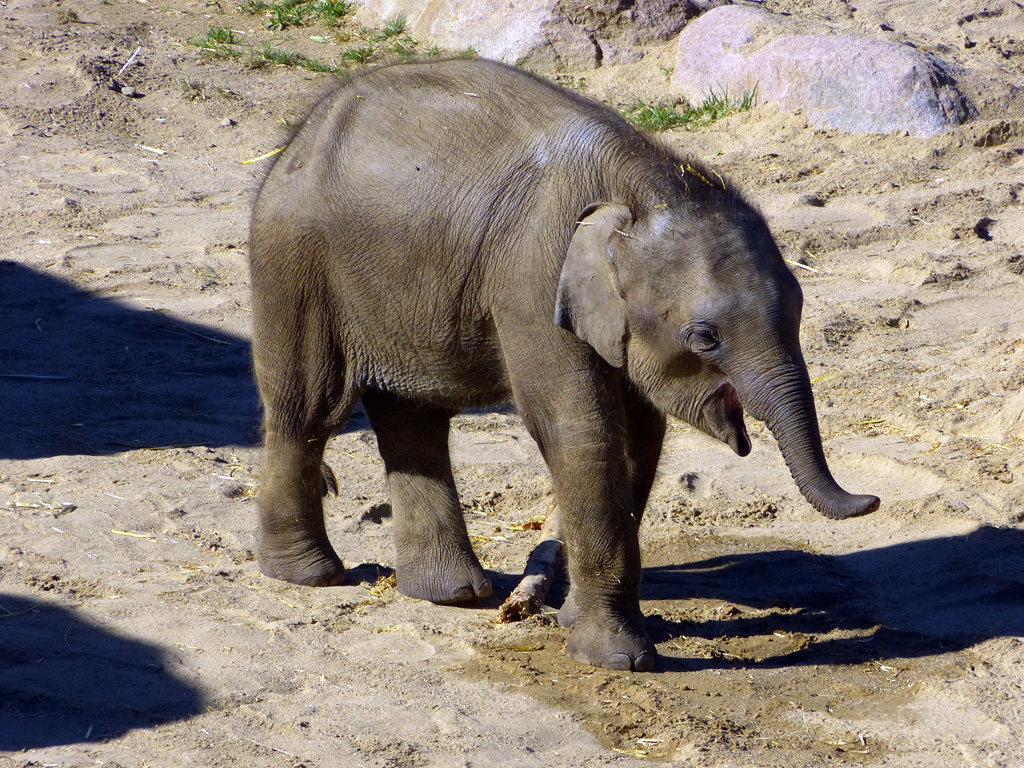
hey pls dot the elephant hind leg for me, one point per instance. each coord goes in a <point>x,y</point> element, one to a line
<point>293,545</point>
<point>435,559</point>
<point>306,393</point>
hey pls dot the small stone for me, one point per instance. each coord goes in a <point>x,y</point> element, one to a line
<point>227,122</point>
<point>902,322</point>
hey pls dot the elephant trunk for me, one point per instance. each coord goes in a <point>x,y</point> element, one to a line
<point>785,403</point>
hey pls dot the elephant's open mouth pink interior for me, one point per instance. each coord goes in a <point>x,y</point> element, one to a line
<point>731,403</point>
<point>730,411</point>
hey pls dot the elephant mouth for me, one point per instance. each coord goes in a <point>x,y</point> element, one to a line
<point>730,399</point>
<point>729,427</point>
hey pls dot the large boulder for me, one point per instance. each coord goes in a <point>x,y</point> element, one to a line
<point>842,82</point>
<point>532,33</point>
<point>544,34</point>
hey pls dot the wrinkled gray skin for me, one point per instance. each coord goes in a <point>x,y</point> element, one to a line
<point>452,234</point>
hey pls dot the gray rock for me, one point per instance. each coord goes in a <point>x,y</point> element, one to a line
<point>533,33</point>
<point>842,82</point>
<point>543,34</point>
<point>635,21</point>
<point>661,19</point>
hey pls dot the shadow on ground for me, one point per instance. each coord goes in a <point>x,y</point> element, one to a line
<point>64,680</point>
<point>83,374</point>
<point>912,599</point>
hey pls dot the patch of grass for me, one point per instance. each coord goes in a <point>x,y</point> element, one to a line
<point>193,89</point>
<point>403,46</point>
<point>330,12</point>
<point>360,54</point>
<point>653,116</point>
<point>717,106</point>
<point>284,15</point>
<point>316,65</point>
<point>370,44</point>
<point>221,35</point>
<point>271,55</point>
<point>395,37</point>
<point>748,101</point>
<point>662,116</point>
<point>394,28</point>
<point>364,44</point>
<point>294,13</point>
<point>267,54</point>
<point>217,43</point>
<point>467,53</point>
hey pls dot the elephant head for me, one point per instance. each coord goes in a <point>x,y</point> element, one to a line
<point>695,302</point>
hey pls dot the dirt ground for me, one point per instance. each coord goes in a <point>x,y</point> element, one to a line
<point>136,629</point>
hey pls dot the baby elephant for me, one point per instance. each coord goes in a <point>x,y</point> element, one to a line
<point>454,234</point>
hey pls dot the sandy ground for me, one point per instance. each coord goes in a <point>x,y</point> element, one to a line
<point>136,629</point>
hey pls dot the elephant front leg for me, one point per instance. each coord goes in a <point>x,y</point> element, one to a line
<point>583,442</point>
<point>644,437</point>
<point>292,543</point>
<point>603,605</point>
<point>435,559</point>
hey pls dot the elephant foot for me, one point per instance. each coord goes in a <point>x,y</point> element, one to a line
<point>607,643</point>
<point>445,581</point>
<point>309,566</point>
<point>620,647</point>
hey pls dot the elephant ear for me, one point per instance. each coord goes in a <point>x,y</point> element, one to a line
<point>590,303</point>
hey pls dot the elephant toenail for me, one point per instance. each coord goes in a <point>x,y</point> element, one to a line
<point>645,661</point>
<point>463,593</point>
<point>619,661</point>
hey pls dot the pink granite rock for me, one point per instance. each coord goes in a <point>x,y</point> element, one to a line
<point>842,82</point>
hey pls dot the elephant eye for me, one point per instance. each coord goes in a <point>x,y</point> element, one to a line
<point>702,337</point>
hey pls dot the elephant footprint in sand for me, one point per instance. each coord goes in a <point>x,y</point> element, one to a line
<point>444,235</point>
